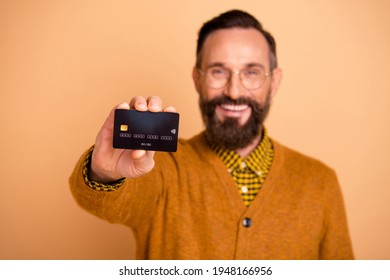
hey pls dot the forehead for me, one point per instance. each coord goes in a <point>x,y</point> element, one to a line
<point>235,47</point>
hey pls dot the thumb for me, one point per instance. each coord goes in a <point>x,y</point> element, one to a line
<point>143,161</point>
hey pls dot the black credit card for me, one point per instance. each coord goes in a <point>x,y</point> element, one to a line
<point>137,130</point>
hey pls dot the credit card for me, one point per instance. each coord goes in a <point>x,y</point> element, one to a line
<point>137,130</point>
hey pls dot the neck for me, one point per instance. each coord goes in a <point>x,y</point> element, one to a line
<point>244,152</point>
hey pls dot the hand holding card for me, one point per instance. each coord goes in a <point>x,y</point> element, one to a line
<point>110,164</point>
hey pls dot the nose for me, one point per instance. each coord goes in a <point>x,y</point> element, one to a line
<point>234,86</point>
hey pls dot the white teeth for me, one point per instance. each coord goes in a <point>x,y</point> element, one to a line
<point>235,108</point>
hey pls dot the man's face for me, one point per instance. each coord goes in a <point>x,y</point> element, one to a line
<point>234,114</point>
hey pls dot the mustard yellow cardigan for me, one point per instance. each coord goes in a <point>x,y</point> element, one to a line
<point>188,207</point>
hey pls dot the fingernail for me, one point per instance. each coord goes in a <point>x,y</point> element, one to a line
<point>141,106</point>
<point>155,107</point>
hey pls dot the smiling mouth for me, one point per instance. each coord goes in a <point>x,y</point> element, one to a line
<point>234,108</point>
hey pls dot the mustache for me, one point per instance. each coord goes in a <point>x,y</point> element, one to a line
<point>229,101</point>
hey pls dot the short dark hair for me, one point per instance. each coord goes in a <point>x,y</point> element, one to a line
<point>232,19</point>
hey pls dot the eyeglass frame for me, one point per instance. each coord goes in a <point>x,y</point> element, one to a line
<point>231,72</point>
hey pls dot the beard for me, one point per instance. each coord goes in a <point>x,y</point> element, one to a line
<point>229,133</point>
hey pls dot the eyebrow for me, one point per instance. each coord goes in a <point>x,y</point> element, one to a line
<point>220,64</point>
<point>215,64</point>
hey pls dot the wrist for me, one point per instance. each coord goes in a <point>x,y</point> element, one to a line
<point>96,182</point>
<point>101,178</point>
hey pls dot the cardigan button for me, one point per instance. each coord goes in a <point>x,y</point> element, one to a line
<point>247,222</point>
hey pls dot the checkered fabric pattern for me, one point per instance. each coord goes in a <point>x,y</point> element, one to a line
<point>249,173</point>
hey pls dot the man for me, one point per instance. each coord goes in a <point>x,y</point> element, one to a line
<point>230,192</point>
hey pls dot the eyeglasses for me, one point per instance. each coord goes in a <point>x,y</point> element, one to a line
<point>252,77</point>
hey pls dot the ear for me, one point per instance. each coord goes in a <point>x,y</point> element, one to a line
<point>277,76</point>
<point>195,78</point>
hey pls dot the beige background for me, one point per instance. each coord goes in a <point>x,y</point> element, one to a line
<point>65,64</point>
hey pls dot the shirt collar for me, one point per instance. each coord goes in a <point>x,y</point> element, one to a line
<point>257,161</point>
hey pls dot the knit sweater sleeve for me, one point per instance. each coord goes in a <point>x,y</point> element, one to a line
<point>131,204</point>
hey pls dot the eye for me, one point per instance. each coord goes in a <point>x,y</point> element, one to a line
<point>217,72</point>
<point>252,72</point>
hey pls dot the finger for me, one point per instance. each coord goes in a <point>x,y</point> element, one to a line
<point>109,123</point>
<point>122,105</point>
<point>137,154</point>
<point>170,109</point>
<point>154,104</point>
<point>140,155</point>
<point>138,103</point>
<point>143,161</point>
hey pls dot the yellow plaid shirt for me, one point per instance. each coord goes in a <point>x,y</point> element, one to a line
<point>249,173</point>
